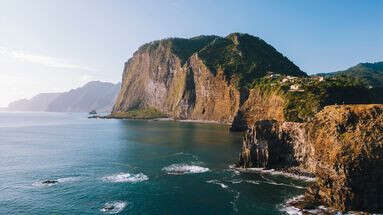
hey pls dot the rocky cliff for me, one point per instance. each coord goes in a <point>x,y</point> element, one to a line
<point>202,78</point>
<point>342,145</point>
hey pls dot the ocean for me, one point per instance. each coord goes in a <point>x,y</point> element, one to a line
<point>108,166</point>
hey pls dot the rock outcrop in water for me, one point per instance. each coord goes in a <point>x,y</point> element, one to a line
<point>342,145</point>
<point>202,78</point>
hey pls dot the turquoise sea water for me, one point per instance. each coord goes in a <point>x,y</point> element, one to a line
<point>128,167</point>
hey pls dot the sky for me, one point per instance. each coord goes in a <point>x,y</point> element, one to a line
<point>56,45</point>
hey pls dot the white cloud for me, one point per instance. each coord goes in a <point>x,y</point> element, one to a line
<point>40,59</point>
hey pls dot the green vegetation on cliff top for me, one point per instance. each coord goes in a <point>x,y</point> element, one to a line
<point>246,57</point>
<point>370,73</point>
<point>242,55</point>
<point>312,95</point>
<point>183,48</point>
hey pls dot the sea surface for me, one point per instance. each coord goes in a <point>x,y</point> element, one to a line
<point>128,167</point>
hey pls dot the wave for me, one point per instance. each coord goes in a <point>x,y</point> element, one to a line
<point>286,185</point>
<point>126,177</point>
<point>114,207</point>
<point>275,172</point>
<point>181,169</point>
<point>252,182</point>
<point>236,181</point>
<point>289,208</point>
<point>224,186</point>
<point>234,203</point>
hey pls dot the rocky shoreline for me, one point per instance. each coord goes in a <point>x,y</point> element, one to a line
<point>342,146</point>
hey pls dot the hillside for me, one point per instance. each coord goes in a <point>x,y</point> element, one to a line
<point>95,95</point>
<point>202,78</point>
<point>39,102</point>
<point>370,73</point>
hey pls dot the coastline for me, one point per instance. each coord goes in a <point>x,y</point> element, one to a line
<point>159,119</point>
<point>295,174</point>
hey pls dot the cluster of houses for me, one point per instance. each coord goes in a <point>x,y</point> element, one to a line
<point>294,87</point>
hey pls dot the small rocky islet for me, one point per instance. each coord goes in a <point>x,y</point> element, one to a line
<point>328,126</point>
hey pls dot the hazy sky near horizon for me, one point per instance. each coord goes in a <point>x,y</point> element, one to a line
<point>54,46</point>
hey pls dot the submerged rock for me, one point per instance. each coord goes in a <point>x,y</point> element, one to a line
<point>49,182</point>
<point>342,146</point>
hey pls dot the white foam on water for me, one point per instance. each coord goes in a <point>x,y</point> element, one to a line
<point>252,182</point>
<point>288,208</point>
<point>286,185</point>
<point>275,172</point>
<point>234,203</point>
<point>291,210</point>
<point>236,181</point>
<point>68,179</point>
<point>126,177</point>
<point>233,169</point>
<point>114,207</point>
<point>224,186</point>
<point>181,169</point>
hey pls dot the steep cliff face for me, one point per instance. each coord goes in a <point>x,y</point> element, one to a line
<point>199,78</point>
<point>348,143</point>
<point>259,105</point>
<point>271,144</point>
<point>342,146</point>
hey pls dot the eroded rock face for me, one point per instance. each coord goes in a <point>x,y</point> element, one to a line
<point>348,144</point>
<point>342,146</point>
<point>199,78</point>
<point>259,106</point>
<point>272,144</point>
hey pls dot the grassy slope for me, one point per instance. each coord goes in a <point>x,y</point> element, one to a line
<point>302,105</point>
<point>369,73</point>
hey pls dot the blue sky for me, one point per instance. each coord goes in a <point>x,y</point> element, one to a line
<point>51,46</point>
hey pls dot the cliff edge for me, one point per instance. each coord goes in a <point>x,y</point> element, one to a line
<point>202,78</point>
<point>342,145</point>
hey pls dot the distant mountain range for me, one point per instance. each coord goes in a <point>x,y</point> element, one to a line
<point>95,95</point>
<point>370,73</point>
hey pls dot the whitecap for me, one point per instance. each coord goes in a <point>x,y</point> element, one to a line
<point>114,207</point>
<point>236,181</point>
<point>252,182</point>
<point>68,179</point>
<point>286,185</point>
<point>126,177</point>
<point>181,169</point>
<point>291,210</point>
<point>275,172</point>
<point>224,186</point>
